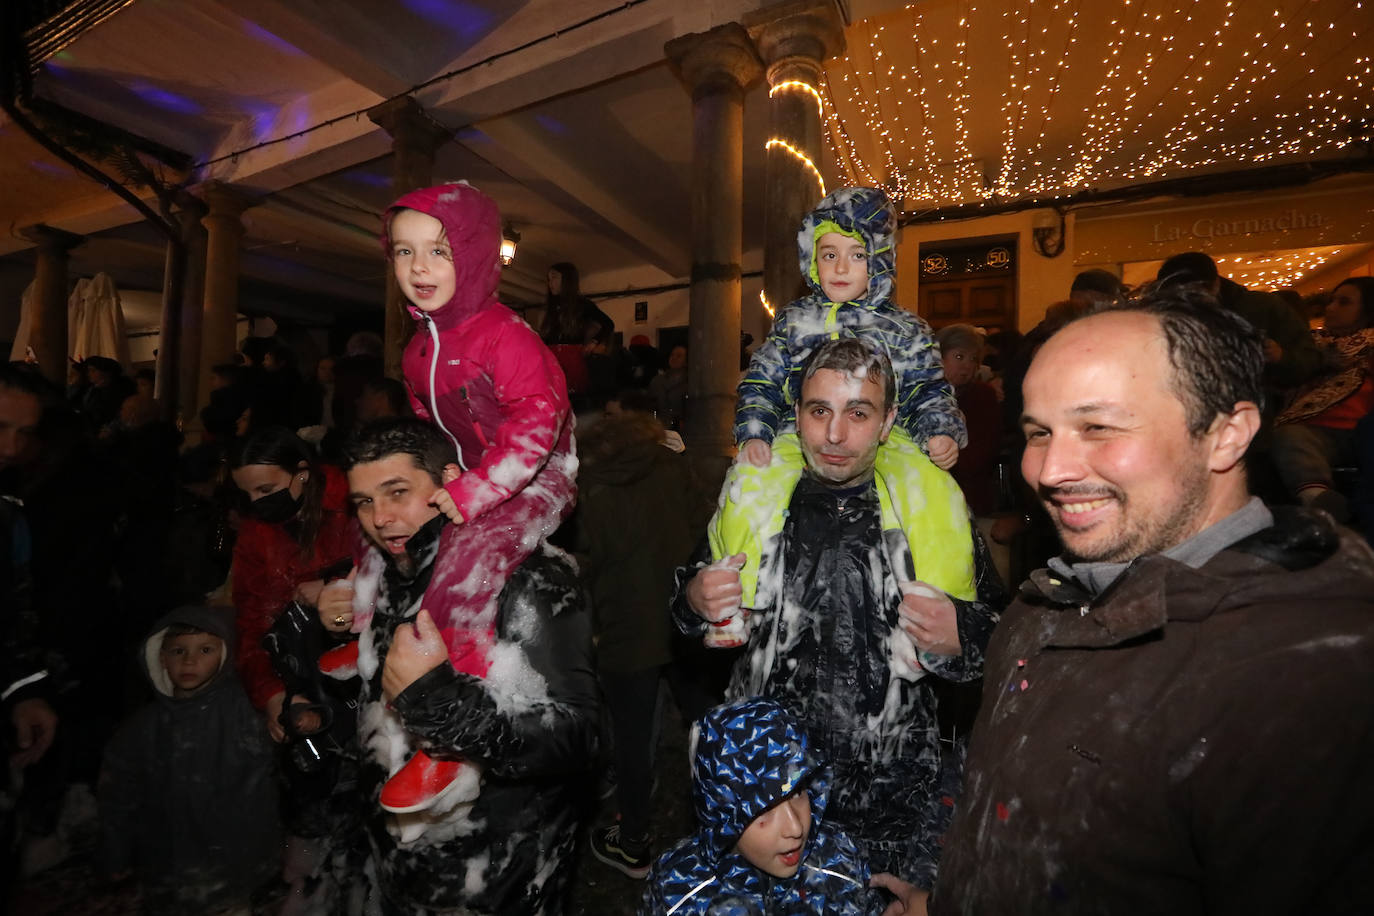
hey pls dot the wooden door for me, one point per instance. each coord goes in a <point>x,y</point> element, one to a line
<point>988,302</point>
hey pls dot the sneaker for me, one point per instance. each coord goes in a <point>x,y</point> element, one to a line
<point>628,858</point>
<point>341,663</point>
<point>422,783</point>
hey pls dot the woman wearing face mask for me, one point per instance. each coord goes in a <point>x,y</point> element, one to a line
<point>295,527</point>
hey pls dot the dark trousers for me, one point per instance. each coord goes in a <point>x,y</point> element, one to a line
<point>632,701</point>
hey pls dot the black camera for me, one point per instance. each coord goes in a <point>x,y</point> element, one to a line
<point>319,717</point>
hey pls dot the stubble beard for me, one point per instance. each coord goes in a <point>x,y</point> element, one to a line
<point>1147,535</point>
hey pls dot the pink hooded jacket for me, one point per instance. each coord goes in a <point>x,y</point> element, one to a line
<point>478,371</point>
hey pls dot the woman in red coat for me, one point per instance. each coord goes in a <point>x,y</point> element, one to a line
<point>297,526</point>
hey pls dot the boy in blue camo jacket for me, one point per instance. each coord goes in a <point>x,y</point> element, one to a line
<point>762,845</point>
<point>848,259</point>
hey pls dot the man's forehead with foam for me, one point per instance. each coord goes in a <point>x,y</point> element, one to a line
<point>860,389</point>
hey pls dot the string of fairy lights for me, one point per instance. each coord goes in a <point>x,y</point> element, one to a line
<point>957,101</point>
<point>1274,270</point>
<point>798,154</point>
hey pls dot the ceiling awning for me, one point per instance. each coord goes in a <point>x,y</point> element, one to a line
<point>962,105</point>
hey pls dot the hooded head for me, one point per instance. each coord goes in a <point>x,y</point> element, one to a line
<point>215,621</point>
<point>747,756</point>
<point>472,232</point>
<point>863,214</point>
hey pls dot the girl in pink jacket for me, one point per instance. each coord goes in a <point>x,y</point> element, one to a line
<point>476,370</point>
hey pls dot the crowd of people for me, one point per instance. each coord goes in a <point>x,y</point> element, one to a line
<point>371,645</point>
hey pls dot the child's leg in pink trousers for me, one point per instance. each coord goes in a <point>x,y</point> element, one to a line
<point>473,567</point>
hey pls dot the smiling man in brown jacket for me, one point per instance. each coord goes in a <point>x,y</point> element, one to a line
<point>1178,714</point>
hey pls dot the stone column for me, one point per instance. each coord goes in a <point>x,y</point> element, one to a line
<point>219,327</point>
<point>415,138</point>
<point>48,323</point>
<point>168,379</point>
<point>193,239</point>
<point>794,39</point>
<point>716,67</point>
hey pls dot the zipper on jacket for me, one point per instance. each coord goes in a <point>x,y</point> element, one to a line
<point>434,395</point>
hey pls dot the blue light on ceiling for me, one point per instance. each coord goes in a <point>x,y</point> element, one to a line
<point>551,124</point>
<point>466,20</point>
<point>50,168</point>
<point>264,116</point>
<point>370,179</point>
<point>253,30</point>
<point>163,98</point>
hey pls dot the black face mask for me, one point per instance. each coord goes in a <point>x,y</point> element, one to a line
<point>275,508</point>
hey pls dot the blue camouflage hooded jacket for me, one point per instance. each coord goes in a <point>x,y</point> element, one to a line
<point>926,405</point>
<point>748,756</point>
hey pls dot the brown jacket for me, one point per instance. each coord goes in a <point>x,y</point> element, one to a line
<point>1192,741</point>
<point>639,513</point>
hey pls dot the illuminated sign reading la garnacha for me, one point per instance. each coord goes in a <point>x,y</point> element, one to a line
<point>1207,227</point>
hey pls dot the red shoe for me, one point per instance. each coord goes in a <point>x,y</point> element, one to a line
<point>420,784</point>
<point>341,663</point>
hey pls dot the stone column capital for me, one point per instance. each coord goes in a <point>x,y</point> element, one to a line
<point>720,60</point>
<point>796,37</point>
<point>409,125</point>
<point>225,204</point>
<point>189,205</point>
<point>51,241</point>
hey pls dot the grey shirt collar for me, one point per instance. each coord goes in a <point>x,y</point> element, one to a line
<point>1252,517</point>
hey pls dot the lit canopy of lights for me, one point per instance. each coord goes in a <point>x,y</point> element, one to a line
<point>1277,269</point>
<point>951,102</point>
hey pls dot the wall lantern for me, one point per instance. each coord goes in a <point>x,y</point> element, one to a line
<point>509,239</point>
<point>1047,233</point>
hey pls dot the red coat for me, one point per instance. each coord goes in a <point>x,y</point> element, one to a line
<point>268,566</point>
<point>976,470</point>
<point>498,392</point>
<point>500,397</point>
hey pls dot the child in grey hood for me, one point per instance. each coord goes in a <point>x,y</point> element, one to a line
<point>188,801</point>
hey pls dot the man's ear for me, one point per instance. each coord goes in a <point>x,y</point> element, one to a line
<point>887,423</point>
<point>450,473</point>
<point>1231,436</point>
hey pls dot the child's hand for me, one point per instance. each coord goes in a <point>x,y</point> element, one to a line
<point>442,501</point>
<point>755,452</point>
<point>415,651</point>
<point>942,450</point>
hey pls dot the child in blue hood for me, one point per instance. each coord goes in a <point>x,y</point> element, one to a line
<point>762,845</point>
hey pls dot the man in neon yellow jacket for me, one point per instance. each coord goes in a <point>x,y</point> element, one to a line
<point>846,635</point>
